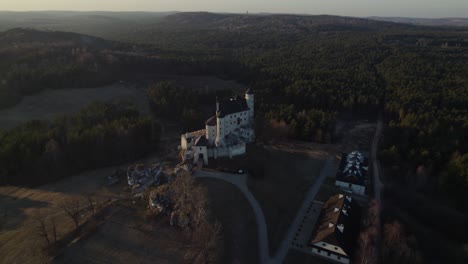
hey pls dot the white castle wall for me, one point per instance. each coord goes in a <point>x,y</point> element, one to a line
<point>230,151</point>
<point>211,133</point>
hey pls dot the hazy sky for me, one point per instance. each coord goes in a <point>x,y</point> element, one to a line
<point>408,8</point>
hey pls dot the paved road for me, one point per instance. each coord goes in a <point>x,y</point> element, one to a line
<point>376,172</point>
<point>375,162</point>
<point>327,170</point>
<point>240,181</point>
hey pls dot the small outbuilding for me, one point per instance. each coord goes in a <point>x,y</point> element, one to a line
<point>352,174</point>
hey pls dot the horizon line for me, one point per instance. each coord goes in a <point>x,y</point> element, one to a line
<point>236,13</point>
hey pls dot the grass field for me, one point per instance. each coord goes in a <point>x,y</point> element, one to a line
<point>127,237</point>
<point>20,206</point>
<point>280,178</point>
<point>49,104</point>
<point>232,209</point>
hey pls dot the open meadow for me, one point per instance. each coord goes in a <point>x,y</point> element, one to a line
<point>49,104</point>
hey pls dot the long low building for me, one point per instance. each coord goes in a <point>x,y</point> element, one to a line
<point>337,228</point>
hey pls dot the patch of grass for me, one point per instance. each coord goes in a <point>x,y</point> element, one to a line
<point>279,181</point>
<point>232,209</point>
<point>327,190</point>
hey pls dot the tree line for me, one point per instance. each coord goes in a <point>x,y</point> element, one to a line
<point>101,134</point>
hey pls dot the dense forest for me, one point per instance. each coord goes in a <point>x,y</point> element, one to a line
<point>99,135</point>
<point>306,72</point>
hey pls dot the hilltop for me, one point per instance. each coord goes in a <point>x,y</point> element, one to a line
<point>459,22</point>
<point>32,37</point>
<point>32,60</point>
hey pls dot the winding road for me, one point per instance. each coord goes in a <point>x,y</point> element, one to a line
<point>240,181</point>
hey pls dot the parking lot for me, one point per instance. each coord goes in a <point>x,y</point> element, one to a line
<point>303,234</point>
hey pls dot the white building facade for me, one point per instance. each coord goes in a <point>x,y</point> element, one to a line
<point>225,134</point>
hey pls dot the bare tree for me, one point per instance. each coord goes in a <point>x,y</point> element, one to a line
<point>181,188</point>
<point>54,229</point>
<point>41,229</point>
<point>392,233</point>
<point>368,239</point>
<point>199,200</point>
<point>72,208</point>
<point>366,251</point>
<point>92,206</point>
<point>207,239</point>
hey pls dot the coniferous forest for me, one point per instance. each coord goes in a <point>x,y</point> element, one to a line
<point>306,72</point>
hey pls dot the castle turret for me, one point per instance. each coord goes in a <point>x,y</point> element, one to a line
<point>250,98</point>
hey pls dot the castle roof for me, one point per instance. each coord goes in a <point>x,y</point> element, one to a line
<point>249,91</point>
<point>211,121</point>
<point>353,169</point>
<point>338,223</point>
<point>232,106</point>
<point>201,141</point>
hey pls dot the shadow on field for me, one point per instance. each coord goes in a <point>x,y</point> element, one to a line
<point>11,207</point>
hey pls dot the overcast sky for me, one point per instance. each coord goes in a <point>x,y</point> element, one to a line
<point>406,8</point>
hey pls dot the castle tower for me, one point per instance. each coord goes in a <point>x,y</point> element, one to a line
<point>250,98</point>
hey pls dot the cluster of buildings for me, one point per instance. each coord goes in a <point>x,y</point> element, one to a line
<point>226,133</point>
<point>334,236</point>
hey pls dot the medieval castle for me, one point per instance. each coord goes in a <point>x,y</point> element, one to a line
<point>225,134</point>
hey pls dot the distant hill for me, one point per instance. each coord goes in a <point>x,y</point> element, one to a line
<point>460,22</point>
<point>272,22</point>
<point>134,26</point>
<point>33,60</point>
<point>102,24</point>
<point>32,37</point>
